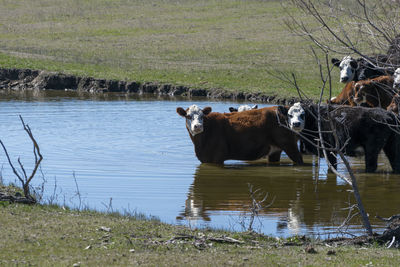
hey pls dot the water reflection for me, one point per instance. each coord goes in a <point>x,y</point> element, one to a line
<point>302,202</point>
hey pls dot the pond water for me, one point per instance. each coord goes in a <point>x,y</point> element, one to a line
<point>134,154</point>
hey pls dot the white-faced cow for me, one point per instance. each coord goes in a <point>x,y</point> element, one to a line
<point>358,69</point>
<point>370,129</point>
<point>396,79</point>
<point>246,135</point>
<point>243,108</point>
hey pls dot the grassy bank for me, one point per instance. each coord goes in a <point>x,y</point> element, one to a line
<point>52,236</point>
<point>206,44</point>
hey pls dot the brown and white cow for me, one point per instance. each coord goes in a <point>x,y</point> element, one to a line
<point>377,92</point>
<point>346,97</point>
<point>394,105</point>
<point>246,135</point>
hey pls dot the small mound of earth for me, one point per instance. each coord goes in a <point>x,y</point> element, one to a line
<point>14,195</point>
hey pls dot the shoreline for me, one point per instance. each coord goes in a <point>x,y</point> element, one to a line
<point>27,80</point>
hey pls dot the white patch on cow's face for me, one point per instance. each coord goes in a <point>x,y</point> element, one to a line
<point>296,117</point>
<point>347,71</point>
<point>396,77</point>
<point>194,120</point>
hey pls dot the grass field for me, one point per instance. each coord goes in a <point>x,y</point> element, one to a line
<point>51,236</point>
<point>199,43</point>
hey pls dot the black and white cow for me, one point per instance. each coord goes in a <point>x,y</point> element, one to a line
<point>358,69</point>
<point>396,78</point>
<point>360,131</point>
<point>243,108</point>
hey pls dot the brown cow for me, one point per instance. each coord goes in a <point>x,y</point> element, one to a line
<point>346,96</point>
<point>246,135</point>
<point>377,92</point>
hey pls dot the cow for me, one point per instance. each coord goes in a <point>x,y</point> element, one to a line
<point>360,130</point>
<point>246,135</point>
<point>376,92</point>
<point>358,69</point>
<point>243,108</point>
<point>396,79</point>
<point>346,97</point>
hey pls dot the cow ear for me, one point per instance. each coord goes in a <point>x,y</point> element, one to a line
<point>335,62</point>
<point>181,112</point>
<point>206,110</point>
<point>282,110</point>
<point>354,64</point>
<point>232,109</point>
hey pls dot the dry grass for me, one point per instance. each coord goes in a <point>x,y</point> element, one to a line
<point>204,43</point>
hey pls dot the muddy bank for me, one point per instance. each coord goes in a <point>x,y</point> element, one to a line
<point>26,79</point>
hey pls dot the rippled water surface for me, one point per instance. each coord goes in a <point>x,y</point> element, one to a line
<point>135,154</point>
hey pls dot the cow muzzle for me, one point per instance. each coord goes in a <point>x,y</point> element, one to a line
<point>196,129</point>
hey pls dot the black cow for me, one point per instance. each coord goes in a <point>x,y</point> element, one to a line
<point>359,69</point>
<point>368,129</point>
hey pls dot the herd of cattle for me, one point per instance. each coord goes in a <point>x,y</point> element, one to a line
<point>365,116</point>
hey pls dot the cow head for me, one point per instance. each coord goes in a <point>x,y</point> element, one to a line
<point>362,91</point>
<point>194,118</point>
<point>296,117</point>
<point>347,66</point>
<point>396,77</point>
<point>242,108</point>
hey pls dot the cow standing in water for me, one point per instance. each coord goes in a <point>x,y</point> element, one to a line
<point>360,131</point>
<point>246,135</point>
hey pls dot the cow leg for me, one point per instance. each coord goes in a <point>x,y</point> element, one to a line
<point>275,157</point>
<point>293,152</point>
<point>392,152</point>
<point>371,159</point>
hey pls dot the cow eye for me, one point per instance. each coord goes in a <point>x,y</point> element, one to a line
<point>341,68</point>
<point>290,115</point>
<point>302,116</point>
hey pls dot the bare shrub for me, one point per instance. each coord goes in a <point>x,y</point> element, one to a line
<point>21,174</point>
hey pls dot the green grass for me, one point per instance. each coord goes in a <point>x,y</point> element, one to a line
<point>203,43</point>
<point>52,236</point>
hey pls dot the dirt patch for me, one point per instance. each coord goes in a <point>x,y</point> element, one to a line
<point>26,79</point>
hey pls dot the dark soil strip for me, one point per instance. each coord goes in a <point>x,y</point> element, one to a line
<point>26,79</point>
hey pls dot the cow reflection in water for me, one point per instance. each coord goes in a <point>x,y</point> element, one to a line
<point>226,188</point>
<point>300,203</point>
